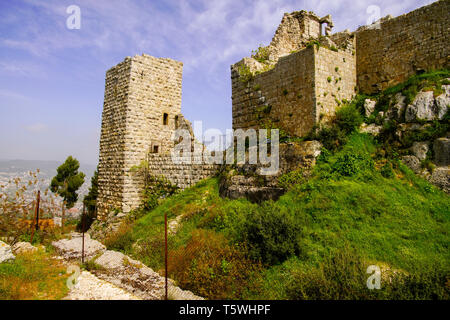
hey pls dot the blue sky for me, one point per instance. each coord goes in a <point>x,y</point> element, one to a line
<point>52,78</point>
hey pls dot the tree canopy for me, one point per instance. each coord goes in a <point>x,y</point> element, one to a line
<point>67,181</point>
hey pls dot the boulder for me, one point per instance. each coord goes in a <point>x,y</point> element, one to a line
<point>442,102</point>
<point>396,111</point>
<point>422,108</point>
<point>420,150</point>
<point>23,247</point>
<point>413,163</point>
<point>137,278</point>
<point>72,248</point>
<point>441,148</point>
<point>369,107</point>
<point>5,252</point>
<point>441,178</point>
<point>372,129</point>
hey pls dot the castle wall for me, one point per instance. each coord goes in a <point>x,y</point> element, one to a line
<point>302,89</point>
<point>182,175</point>
<point>335,80</point>
<point>282,97</point>
<point>138,92</point>
<point>402,46</point>
<point>111,167</point>
<point>155,90</point>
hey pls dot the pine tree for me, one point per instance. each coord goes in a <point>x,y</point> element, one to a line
<point>67,181</point>
<point>90,200</point>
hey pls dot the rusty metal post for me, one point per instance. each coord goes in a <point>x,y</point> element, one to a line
<point>38,200</point>
<point>62,216</point>
<point>165,250</point>
<point>36,216</point>
<point>82,226</point>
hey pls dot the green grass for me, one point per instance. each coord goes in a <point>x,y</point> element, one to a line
<point>33,276</point>
<point>401,221</point>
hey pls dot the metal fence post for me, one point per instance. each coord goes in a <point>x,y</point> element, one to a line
<point>165,240</point>
<point>82,226</point>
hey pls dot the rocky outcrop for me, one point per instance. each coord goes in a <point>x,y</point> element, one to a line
<point>23,247</point>
<point>369,107</point>
<point>441,148</point>
<point>136,278</point>
<point>246,181</point>
<point>5,252</point>
<point>420,150</point>
<point>426,107</point>
<point>70,249</point>
<point>413,163</point>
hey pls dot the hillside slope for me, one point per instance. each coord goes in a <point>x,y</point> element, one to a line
<point>326,230</point>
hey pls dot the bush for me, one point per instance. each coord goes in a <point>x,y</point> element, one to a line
<point>121,240</point>
<point>271,234</point>
<point>350,164</point>
<point>348,118</point>
<point>288,180</point>
<point>343,276</point>
<point>332,138</point>
<point>212,268</point>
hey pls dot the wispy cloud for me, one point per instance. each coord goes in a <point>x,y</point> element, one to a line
<point>36,128</point>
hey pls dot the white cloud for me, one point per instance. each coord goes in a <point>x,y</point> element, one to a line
<point>36,128</point>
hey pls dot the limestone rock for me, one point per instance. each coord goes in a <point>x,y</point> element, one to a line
<point>441,150</point>
<point>23,247</point>
<point>420,149</point>
<point>369,107</point>
<point>372,129</point>
<point>137,278</point>
<point>422,108</point>
<point>442,102</point>
<point>5,252</point>
<point>396,111</point>
<point>72,249</point>
<point>413,163</point>
<point>441,178</point>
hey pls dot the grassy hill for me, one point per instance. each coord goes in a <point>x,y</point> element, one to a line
<point>315,242</point>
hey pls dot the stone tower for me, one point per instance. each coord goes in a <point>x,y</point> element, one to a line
<point>142,106</point>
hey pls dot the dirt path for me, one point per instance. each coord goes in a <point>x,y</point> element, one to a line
<point>115,276</point>
<point>89,287</point>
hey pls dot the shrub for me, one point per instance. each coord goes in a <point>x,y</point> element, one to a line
<point>261,54</point>
<point>245,73</point>
<point>343,276</point>
<point>349,164</point>
<point>121,240</point>
<point>288,180</point>
<point>212,268</point>
<point>332,138</point>
<point>272,234</point>
<point>348,118</point>
<point>340,276</point>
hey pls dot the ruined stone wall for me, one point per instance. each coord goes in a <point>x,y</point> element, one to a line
<point>282,97</point>
<point>155,90</point>
<point>402,46</point>
<point>302,89</point>
<point>138,92</point>
<point>335,81</point>
<point>294,32</point>
<point>182,175</point>
<point>111,167</point>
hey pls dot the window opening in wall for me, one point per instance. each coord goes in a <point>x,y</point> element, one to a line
<point>176,122</point>
<point>165,119</point>
<point>155,149</point>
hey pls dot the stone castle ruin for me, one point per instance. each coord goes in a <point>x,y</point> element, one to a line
<point>294,84</point>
